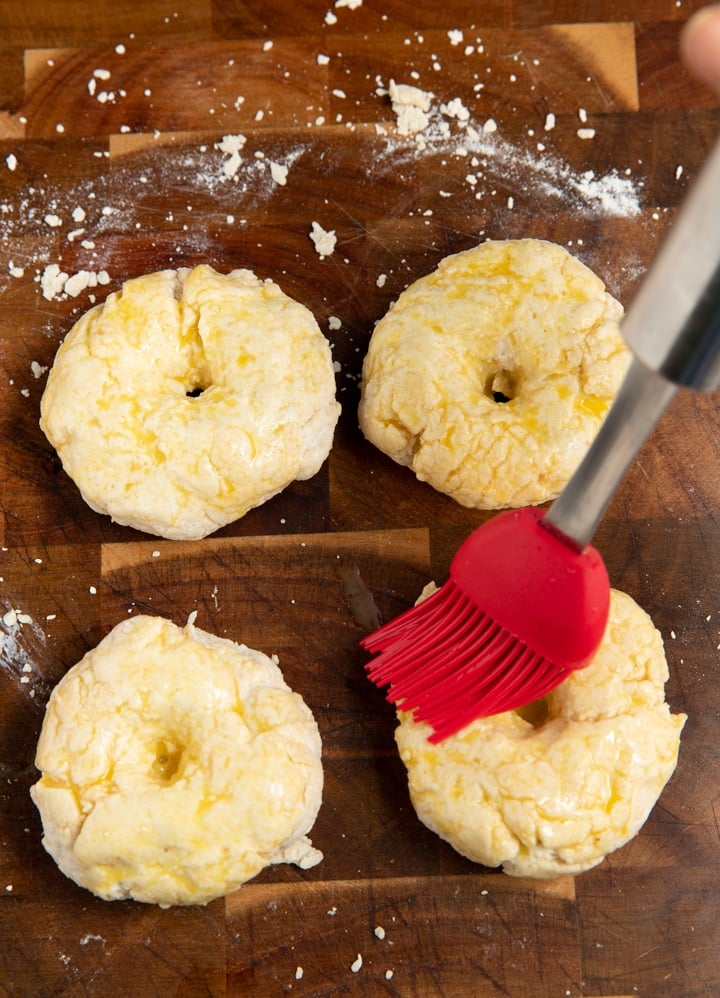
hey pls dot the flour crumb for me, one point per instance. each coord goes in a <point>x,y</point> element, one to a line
<point>52,281</point>
<point>11,162</point>
<point>299,973</point>
<point>411,106</point>
<point>301,853</point>
<point>79,282</point>
<point>456,109</point>
<point>323,240</point>
<point>230,147</point>
<point>11,618</point>
<point>379,932</point>
<point>549,121</point>
<point>90,937</point>
<point>278,172</point>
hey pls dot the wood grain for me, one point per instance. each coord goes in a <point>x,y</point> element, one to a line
<point>117,109</point>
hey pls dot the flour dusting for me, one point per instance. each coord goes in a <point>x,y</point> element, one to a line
<point>21,637</point>
<point>539,174</point>
<point>228,182</point>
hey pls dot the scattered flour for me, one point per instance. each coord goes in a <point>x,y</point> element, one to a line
<point>54,282</point>
<point>103,96</point>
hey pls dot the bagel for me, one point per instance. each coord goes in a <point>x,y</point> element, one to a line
<point>189,397</point>
<point>551,789</point>
<point>175,765</point>
<point>490,376</point>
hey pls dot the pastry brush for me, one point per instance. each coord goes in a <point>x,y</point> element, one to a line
<point>527,599</point>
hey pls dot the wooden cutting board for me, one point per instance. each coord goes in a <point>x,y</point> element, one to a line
<point>566,121</point>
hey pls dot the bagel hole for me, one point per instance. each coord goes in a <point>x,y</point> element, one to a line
<point>501,386</point>
<point>167,760</point>
<point>535,713</point>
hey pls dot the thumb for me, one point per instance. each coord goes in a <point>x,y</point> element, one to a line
<point>700,45</point>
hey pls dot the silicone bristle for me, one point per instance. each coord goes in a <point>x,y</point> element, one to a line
<point>424,614</point>
<point>449,663</point>
<point>520,678</point>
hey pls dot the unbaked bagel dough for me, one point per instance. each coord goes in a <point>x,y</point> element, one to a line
<point>189,397</point>
<point>175,766</point>
<point>551,789</point>
<point>490,376</point>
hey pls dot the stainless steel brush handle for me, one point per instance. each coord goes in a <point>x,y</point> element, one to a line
<point>639,404</point>
<point>673,329</point>
<point>673,323</point>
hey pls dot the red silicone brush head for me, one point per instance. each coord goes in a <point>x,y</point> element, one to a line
<point>522,609</point>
